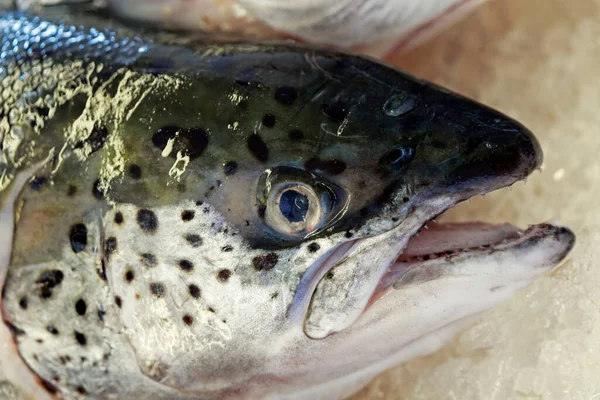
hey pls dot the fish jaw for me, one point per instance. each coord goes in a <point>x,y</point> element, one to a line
<point>428,302</point>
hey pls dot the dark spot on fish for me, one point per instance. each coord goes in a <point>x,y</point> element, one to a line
<point>194,291</point>
<point>296,135</point>
<point>348,235</point>
<point>212,310</point>
<point>268,120</point>
<point>190,142</point>
<point>188,215</point>
<point>49,387</point>
<point>78,237</point>
<point>205,210</point>
<point>336,111</point>
<point>186,265</point>
<point>285,95</point>
<point>23,302</point>
<point>40,341</point>
<point>331,166</point>
<point>135,172</point>
<point>329,275</point>
<point>118,218</point>
<point>80,338</point>
<point>81,390</point>
<point>118,301</point>
<point>96,139</point>
<point>147,220</point>
<point>102,271</point>
<point>149,260</point>
<point>188,320</point>
<point>230,168</point>
<point>261,211</point>
<point>71,191</point>
<point>157,289</point>
<point>101,313</point>
<point>110,245</point>
<point>227,248</point>
<point>313,247</point>
<point>80,307</point>
<point>258,148</point>
<point>97,191</point>
<point>405,199</point>
<point>224,275</point>
<point>129,276</point>
<point>52,329</point>
<point>265,262</point>
<point>274,295</point>
<point>37,182</point>
<point>41,111</point>
<point>193,239</point>
<point>48,280</point>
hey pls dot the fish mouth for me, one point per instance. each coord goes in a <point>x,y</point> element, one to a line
<point>440,243</point>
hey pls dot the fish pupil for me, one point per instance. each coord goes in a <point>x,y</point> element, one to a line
<point>294,206</point>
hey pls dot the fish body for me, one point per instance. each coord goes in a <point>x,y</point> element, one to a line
<point>196,221</point>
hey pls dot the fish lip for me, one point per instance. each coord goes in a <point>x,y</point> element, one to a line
<point>399,272</point>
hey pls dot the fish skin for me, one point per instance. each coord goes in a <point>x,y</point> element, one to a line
<point>142,264</point>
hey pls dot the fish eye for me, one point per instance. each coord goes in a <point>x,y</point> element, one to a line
<point>296,209</point>
<point>296,203</point>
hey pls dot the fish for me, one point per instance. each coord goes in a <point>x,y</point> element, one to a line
<point>187,220</point>
<point>374,27</point>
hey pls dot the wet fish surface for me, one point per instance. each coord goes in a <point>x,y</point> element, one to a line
<point>195,221</point>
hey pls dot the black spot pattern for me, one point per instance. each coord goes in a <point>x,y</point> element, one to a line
<point>224,275</point>
<point>96,139</point>
<point>258,148</point>
<point>37,182</point>
<point>194,291</point>
<point>157,289</point>
<point>80,338</point>
<point>135,172</point>
<point>268,120</point>
<point>97,192</point>
<point>186,265</point>
<point>188,320</point>
<point>129,276</point>
<point>147,220</point>
<point>49,280</point>
<point>313,247</point>
<point>118,218</point>
<point>118,301</point>
<point>149,260</point>
<point>336,111</point>
<point>193,239</point>
<point>52,329</point>
<point>110,245</point>
<point>187,215</point>
<point>24,302</point>
<point>81,307</point>
<point>72,191</point>
<point>227,248</point>
<point>190,142</point>
<point>78,237</point>
<point>285,95</point>
<point>265,262</point>
<point>230,168</point>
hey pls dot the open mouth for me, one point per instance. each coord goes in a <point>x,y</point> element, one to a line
<point>451,242</point>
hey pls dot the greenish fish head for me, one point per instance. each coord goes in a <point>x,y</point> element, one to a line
<point>258,213</point>
<point>309,175</point>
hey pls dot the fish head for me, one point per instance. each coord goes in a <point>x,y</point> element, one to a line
<point>256,220</point>
<point>322,180</point>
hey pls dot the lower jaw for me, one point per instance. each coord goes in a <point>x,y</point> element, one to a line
<point>447,241</point>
